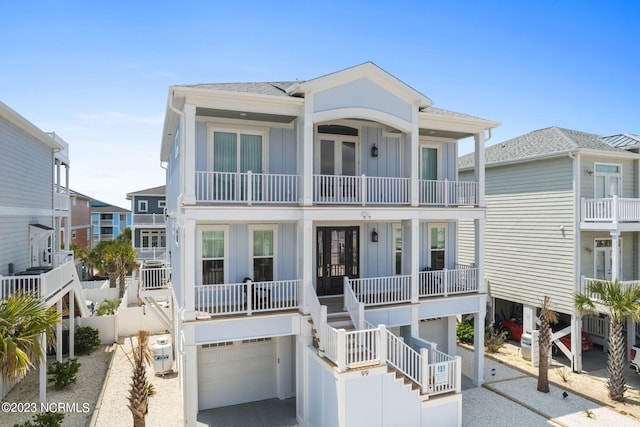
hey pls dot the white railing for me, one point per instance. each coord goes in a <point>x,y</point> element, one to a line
<point>405,359</point>
<point>448,282</point>
<point>153,253</point>
<point>596,326</point>
<point>443,373</point>
<point>149,219</point>
<point>39,285</point>
<point>153,278</point>
<point>247,298</point>
<point>382,290</point>
<point>586,283</point>
<point>614,209</point>
<point>362,190</point>
<point>318,313</point>
<point>249,187</point>
<point>353,306</point>
<point>61,201</point>
<point>363,347</point>
<point>448,193</point>
<point>62,257</point>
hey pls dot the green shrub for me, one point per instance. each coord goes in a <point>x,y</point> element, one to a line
<point>44,419</point>
<point>108,306</point>
<point>464,332</point>
<point>63,373</point>
<point>493,340</point>
<point>86,339</point>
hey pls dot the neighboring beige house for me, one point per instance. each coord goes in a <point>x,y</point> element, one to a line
<point>563,208</point>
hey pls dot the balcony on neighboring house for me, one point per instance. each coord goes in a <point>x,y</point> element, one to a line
<point>610,213</point>
<point>151,253</point>
<point>586,281</point>
<point>149,219</point>
<point>61,200</point>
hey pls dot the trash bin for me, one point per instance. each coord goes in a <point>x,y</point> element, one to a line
<point>525,346</point>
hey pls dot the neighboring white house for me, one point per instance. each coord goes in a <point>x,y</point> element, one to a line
<point>148,223</point>
<point>34,200</point>
<point>312,241</point>
<point>559,203</point>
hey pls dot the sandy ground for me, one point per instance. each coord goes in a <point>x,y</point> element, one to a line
<point>77,401</point>
<point>165,407</point>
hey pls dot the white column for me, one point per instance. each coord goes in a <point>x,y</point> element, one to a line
<point>59,333</point>
<point>305,261</point>
<point>528,318</point>
<point>451,335</point>
<point>631,336</point>
<point>576,342</point>
<point>72,323</point>
<point>411,254</point>
<point>67,228</point>
<point>189,153</point>
<point>305,165</point>
<point>43,368</point>
<point>479,226</point>
<point>414,158</point>
<point>189,265</point>
<point>479,167</point>
<point>190,385</point>
<point>478,341</point>
<point>615,255</point>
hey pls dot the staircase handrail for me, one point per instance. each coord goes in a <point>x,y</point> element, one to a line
<point>354,307</point>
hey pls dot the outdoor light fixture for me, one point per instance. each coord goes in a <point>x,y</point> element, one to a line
<point>588,171</point>
<point>374,150</point>
<point>374,236</point>
<point>588,249</point>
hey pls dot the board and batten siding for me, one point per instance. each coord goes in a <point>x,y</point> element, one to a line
<point>527,253</point>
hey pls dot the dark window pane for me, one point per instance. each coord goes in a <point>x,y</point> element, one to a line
<point>263,269</point>
<point>212,272</point>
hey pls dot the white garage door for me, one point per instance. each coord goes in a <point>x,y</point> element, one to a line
<point>238,372</point>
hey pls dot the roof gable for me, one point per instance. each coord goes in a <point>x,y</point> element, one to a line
<point>367,70</point>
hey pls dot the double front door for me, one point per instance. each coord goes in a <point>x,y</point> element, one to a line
<point>338,255</point>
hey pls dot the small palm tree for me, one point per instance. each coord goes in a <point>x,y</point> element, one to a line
<point>547,317</point>
<point>141,389</point>
<point>23,319</point>
<point>108,306</point>
<point>620,302</point>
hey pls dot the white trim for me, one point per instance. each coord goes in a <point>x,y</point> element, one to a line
<point>431,226</point>
<point>337,149</point>
<point>607,175</point>
<point>608,249</point>
<point>394,228</point>
<point>238,130</point>
<point>199,230</point>
<point>142,203</point>
<point>263,227</point>
<point>162,203</point>
<point>362,113</point>
<point>425,144</point>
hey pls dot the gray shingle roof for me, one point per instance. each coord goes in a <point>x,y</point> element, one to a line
<point>154,191</point>
<point>262,88</point>
<point>538,143</point>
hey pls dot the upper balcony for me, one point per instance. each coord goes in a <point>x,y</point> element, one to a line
<point>259,188</point>
<point>612,213</point>
<point>142,220</point>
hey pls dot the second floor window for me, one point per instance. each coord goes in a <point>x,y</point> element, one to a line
<point>236,152</point>
<point>263,259</point>
<point>213,256</point>
<point>437,247</point>
<point>143,205</point>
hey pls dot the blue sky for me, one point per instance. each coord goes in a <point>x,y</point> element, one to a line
<point>98,72</point>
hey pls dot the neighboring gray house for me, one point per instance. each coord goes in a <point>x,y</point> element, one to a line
<point>558,202</point>
<point>148,224</point>
<point>34,200</point>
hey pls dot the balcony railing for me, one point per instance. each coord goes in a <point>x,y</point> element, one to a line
<point>586,282</point>
<point>381,290</point>
<point>247,188</point>
<point>361,190</point>
<point>61,201</point>
<point>154,253</point>
<point>613,209</point>
<point>155,277</point>
<point>40,283</point>
<point>448,282</point>
<point>449,193</point>
<point>247,298</point>
<point>149,219</point>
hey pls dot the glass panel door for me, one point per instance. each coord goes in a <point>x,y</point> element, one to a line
<point>338,255</point>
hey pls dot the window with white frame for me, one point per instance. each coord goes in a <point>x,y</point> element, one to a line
<point>397,249</point>
<point>608,180</point>
<point>152,239</point>
<point>437,246</point>
<point>162,203</point>
<point>213,255</point>
<point>236,150</point>
<point>263,250</point>
<point>143,205</point>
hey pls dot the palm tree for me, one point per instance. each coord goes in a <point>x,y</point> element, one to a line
<point>23,319</point>
<point>104,265</point>
<point>140,389</point>
<point>547,317</point>
<point>122,257</point>
<point>620,302</point>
